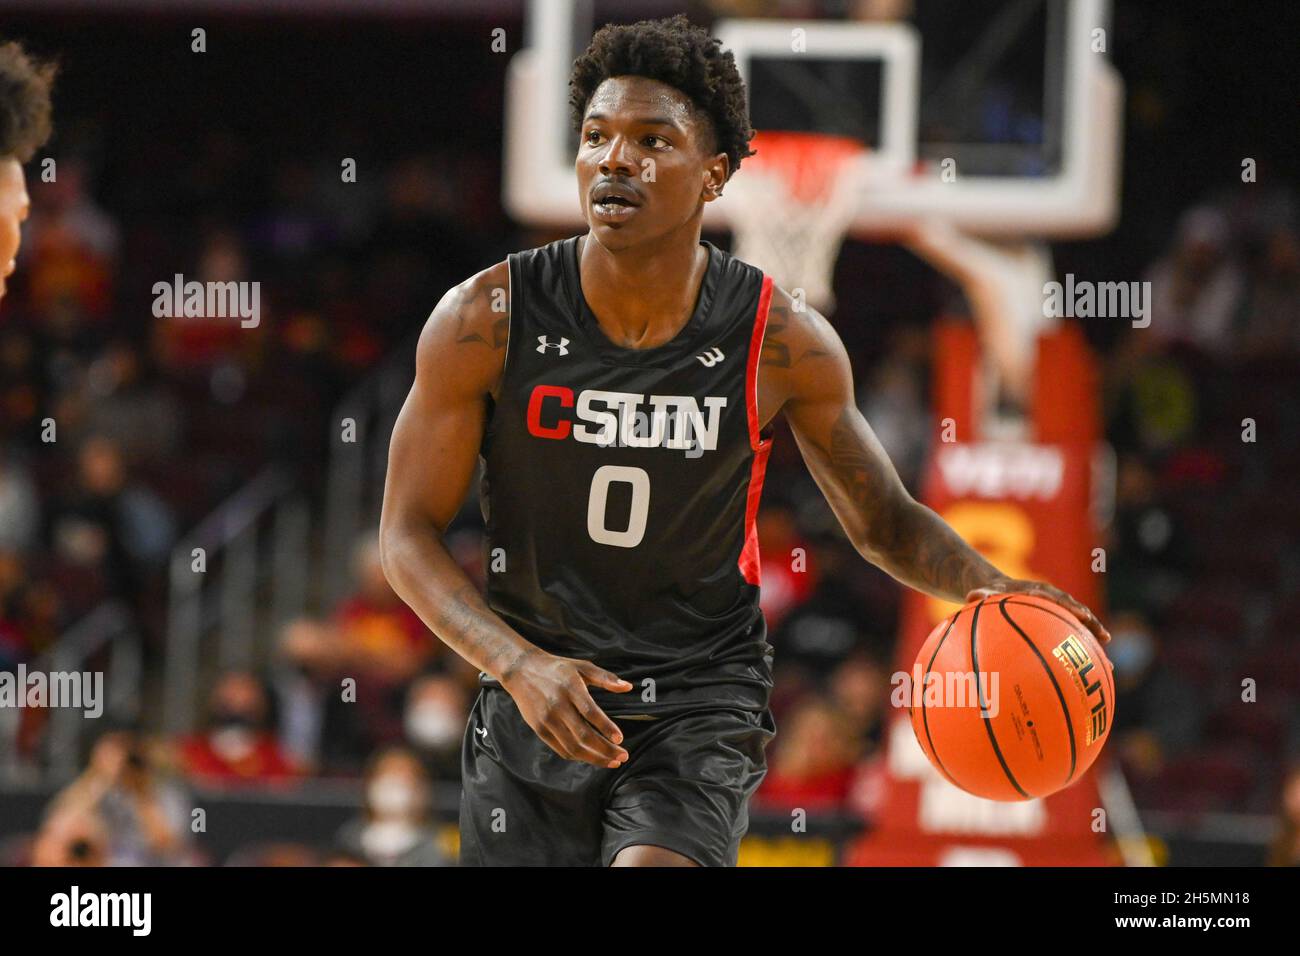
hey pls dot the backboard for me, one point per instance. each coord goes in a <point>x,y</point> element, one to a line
<point>1002,117</point>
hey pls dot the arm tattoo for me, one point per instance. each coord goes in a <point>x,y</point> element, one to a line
<point>902,536</point>
<point>777,351</point>
<point>469,619</point>
<point>472,328</point>
<point>460,613</point>
<point>859,471</point>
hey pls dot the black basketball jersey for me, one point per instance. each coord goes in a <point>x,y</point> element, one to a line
<point>620,489</point>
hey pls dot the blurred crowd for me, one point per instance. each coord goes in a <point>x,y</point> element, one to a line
<point>130,807</point>
<point>119,431</point>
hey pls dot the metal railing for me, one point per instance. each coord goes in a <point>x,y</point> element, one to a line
<point>109,626</point>
<point>254,570</point>
<point>1126,822</point>
<point>233,582</point>
<point>355,489</point>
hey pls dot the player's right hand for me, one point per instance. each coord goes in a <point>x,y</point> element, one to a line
<point>551,693</point>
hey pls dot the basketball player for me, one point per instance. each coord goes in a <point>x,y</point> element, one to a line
<point>24,128</point>
<point>620,388</point>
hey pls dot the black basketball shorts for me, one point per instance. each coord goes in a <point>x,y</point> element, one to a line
<point>685,786</point>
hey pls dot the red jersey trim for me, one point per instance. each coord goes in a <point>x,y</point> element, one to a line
<point>749,558</point>
<point>751,368</point>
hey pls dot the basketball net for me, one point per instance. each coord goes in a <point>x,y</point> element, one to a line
<point>791,206</point>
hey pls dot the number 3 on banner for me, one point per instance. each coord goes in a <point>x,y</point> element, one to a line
<point>605,475</point>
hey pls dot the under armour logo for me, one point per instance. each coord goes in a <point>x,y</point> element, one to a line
<point>481,730</point>
<point>711,358</point>
<point>561,345</point>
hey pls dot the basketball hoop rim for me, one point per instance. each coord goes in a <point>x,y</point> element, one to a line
<point>809,163</point>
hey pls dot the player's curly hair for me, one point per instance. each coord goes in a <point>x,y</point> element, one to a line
<point>684,57</point>
<point>25,84</point>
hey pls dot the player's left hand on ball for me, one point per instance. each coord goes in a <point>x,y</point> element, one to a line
<point>1043,590</point>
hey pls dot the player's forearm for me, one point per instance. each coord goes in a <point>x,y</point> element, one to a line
<point>889,527</point>
<point>426,576</point>
<point>918,548</point>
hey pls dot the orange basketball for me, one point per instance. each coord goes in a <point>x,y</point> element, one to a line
<point>1012,698</point>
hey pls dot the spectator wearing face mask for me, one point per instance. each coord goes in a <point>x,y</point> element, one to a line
<point>395,829</point>
<point>1158,714</point>
<point>437,710</point>
<point>236,747</point>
